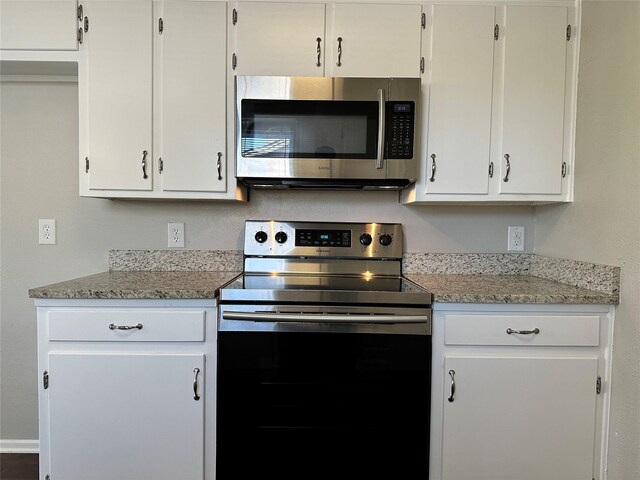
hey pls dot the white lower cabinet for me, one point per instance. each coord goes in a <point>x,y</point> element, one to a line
<point>519,406</point>
<point>127,404</point>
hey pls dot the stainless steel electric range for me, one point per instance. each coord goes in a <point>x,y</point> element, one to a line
<point>324,356</point>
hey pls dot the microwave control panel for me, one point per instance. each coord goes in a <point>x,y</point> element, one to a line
<point>400,124</point>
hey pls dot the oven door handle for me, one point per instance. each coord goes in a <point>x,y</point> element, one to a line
<point>322,317</point>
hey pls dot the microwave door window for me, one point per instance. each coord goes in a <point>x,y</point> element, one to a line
<point>268,137</point>
<point>309,129</point>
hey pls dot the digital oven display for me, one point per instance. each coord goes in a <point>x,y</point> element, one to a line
<point>323,238</point>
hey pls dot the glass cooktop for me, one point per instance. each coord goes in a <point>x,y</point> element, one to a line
<point>324,288</point>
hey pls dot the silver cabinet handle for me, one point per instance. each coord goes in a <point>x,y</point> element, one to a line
<point>452,374</point>
<point>535,331</point>
<point>506,177</point>
<point>339,62</point>
<point>381,124</point>
<point>219,164</point>
<point>113,326</point>
<point>144,164</point>
<point>433,168</point>
<point>318,51</point>
<point>196,397</point>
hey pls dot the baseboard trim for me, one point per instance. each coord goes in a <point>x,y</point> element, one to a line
<point>19,446</point>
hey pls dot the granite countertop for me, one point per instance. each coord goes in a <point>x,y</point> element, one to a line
<point>456,288</point>
<point>139,285</point>
<point>453,278</point>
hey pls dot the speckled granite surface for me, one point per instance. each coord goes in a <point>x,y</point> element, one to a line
<point>603,278</point>
<point>506,289</point>
<point>176,260</point>
<point>138,285</point>
<point>457,278</point>
<point>467,263</point>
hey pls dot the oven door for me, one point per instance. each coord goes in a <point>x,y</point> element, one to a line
<point>308,398</point>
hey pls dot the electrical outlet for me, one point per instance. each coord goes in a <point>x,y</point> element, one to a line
<point>47,231</point>
<point>176,235</point>
<point>515,242</point>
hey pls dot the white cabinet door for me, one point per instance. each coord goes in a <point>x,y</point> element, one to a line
<point>533,99</point>
<point>519,418</point>
<point>375,40</point>
<point>115,85</point>
<point>460,93</point>
<point>38,25</point>
<point>126,416</point>
<point>280,39</point>
<point>191,83</point>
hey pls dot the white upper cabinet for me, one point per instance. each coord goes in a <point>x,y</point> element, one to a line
<point>459,93</point>
<point>38,25</point>
<point>190,93</point>
<point>279,38</point>
<point>152,96</point>
<point>288,39</point>
<point>115,85</point>
<point>533,106</point>
<point>374,40</point>
<point>498,104</point>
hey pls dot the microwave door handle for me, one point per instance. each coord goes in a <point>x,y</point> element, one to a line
<point>381,125</point>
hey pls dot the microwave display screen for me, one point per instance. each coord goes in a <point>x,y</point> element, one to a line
<point>309,129</point>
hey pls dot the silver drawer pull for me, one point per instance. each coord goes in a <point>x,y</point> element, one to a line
<point>452,374</point>
<point>113,326</point>
<point>196,397</point>
<point>535,331</point>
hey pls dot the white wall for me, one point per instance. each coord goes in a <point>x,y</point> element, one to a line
<point>39,176</point>
<point>603,223</point>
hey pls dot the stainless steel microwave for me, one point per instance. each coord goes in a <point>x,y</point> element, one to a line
<point>326,132</point>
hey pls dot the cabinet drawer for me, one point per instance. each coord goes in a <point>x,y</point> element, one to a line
<point>164,325</point>
<point>553,330</point>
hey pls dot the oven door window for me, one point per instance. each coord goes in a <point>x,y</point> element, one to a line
<point>309,129</point>
<point>323,406</point>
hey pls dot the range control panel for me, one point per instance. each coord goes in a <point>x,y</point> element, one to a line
<point>318,239</point>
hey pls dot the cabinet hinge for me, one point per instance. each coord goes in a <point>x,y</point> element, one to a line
<point>421,64</point>
<point>45,379</point>
<point>568,32</point>
<point>80,36</point>
<point>496,32</point>
<point>599,385</point>
<point>490,169</point>
<point>47,477</point>
<point>86,24</point>
<point>423,20</point>
<point>86,164</point>
<point>564,169</point>
<point>80,12</point>
<point>160,26</point>
<point>160,165</point>
<point>234,61</point>
<point>234,16</point>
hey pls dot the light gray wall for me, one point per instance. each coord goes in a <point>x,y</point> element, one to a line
<point>603,223</point>
<point>40,180</point>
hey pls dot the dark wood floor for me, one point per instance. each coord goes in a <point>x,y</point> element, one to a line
<point>19,466</point>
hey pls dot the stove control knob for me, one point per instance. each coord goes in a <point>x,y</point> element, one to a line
<point>385,239</point>
<point>281,237</point>
<point>261,236</point>
<point>365,239</point>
